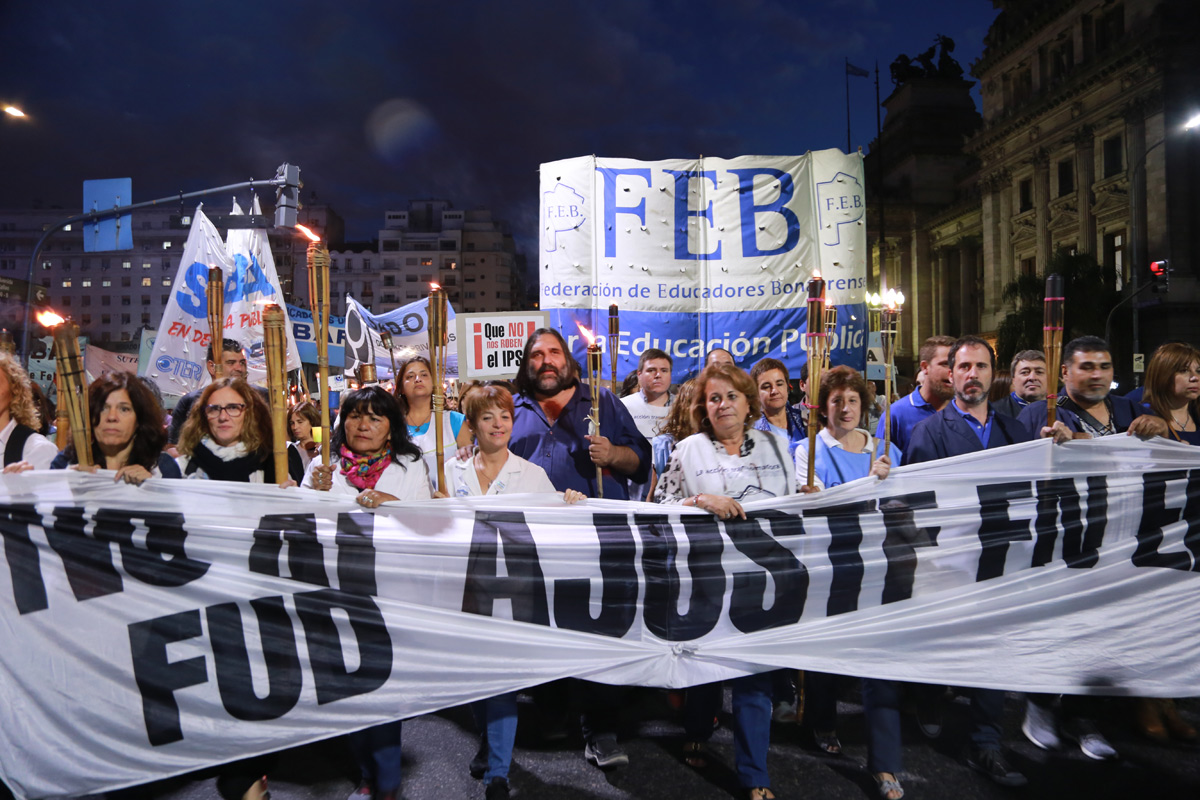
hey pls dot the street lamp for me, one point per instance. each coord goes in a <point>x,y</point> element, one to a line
<point>13,111</point>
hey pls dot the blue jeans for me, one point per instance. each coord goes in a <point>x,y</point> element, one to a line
<point>881,702</point>
<point>987,714</point>
<point>377,751</point>
<point>496,718</point>
<point>752,728</point>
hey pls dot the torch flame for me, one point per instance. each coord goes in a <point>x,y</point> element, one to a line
<point>433,287</point>
<point>49,319</point>
<point>307,232</point>
<point>816,274</point>
<point>591,337</point>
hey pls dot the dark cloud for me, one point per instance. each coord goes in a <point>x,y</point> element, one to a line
<point>382,103</point>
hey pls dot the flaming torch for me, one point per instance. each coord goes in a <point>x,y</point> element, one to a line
<point>318,302</point>
<point>72,386</point>
<point>614,339</point>
<point>594,363</point>
<point>818,352</point>
<point>438,340</point>
<point>1052,333</point>
<point>215,292</point>
<point>274,343</point>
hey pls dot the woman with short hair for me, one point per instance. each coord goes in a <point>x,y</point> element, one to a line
<point>303,418</point>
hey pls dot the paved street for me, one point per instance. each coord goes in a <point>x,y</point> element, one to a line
<point>438,747</point>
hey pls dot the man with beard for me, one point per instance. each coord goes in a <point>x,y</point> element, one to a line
<point>1086,405</point>
<point>968,425</point>
<point>928,398</point>
<point>550,429</point>
<point>1028,372</point>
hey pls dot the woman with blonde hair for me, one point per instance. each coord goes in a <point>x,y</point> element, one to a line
<point>23,447</point>
<point>227,436</point>
<point>1173,390</point>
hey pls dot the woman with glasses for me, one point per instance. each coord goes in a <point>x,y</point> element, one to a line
<point>727,462</point>
<point>227,436</point>
<point>128,431</point>
<point>846,452</point>
<point>415,385</point>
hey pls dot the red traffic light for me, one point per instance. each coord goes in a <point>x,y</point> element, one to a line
<point>1159,269</point>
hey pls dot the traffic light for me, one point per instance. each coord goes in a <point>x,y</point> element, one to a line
<point>287,196</point>
<point>1160,272</point>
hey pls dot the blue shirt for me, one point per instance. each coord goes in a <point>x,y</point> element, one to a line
<point>981,430</point>
<point>907,413</point>
<point>561,450</point>
<point>796,431</point>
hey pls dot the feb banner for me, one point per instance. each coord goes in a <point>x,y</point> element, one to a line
<point>705,253</point>
<point>491,345</point>
<point>409,328</point>
<point>212,621</point>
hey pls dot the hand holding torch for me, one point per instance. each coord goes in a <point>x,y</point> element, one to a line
<point>1052,333</point>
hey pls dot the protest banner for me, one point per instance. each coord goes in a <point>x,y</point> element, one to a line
<point>304,333</point>
<point>97,361</point>
<point>705,253</point>
<point>409,327</point>
<point>209,621</point>
<point>490,345</point>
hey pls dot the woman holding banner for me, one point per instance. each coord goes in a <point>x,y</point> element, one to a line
<point>845,452</point>
<point>227,436</point>
<point>415,385</point>
<point>489,471</point>
<point>375,462</point>
<point>128,431</point>
<point>725,462</point>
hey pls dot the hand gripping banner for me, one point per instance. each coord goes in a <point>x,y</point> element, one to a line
<point>154,630</point>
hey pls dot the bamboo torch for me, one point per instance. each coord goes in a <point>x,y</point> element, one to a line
<point>889,317</point>
<point>318,299</point>
<point>614,339</point>
<point>386,338</point>
<point>1052,333</point>
<point>7,345</point>
<point>594,366</point>
<point>816,338</point>
<point>62,423</point>
<point>274,343</point>
<point>215,293</point>
<point>73,389</point>
<point>438,339</point>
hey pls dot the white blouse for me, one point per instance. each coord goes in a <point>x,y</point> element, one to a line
<point>517,476</point>
<point>405,482</point>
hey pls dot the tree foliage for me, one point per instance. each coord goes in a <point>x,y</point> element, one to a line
<point>1090,292</point>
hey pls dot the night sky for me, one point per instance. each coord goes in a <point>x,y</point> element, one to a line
<point>380,103</point>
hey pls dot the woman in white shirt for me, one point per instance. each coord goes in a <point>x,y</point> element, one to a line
<point>492,470</point>
<point>725,462</point>
<point>23,448</point>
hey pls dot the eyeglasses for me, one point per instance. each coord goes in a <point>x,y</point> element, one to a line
<point>234,410</point>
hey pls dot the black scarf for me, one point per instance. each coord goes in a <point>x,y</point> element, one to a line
<point>238,469</point>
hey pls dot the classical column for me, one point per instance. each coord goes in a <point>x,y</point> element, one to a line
<point>921,295</point>
<point>1085,176</point>
<point>968,313</point>
<point>1041,202</point>
<point>1006,251</point>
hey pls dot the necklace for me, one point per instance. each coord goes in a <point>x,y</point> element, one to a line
<point>483,473</point>
<point>1186,419</point>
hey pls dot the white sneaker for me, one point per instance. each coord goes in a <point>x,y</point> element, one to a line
<point>1090,740</point>
<point>1040,726</point>
<point>784,712</point>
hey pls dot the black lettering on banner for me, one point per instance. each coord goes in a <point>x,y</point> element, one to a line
<point>29,590</point>
<point>901,539</point>
<point>845,539</point>
<point>525,585</point>
<point>305,556</point>
<point>1081,542</point>
<point>231,659</point>
<point>1156,516</point>
<point>996,528</point>
<point>618,582</point>
<point>332,680</point>
<point>157,678</point>
<point>660,609</point>
<point>747,609</point>
<point>356,553</point>
<point>162,562</point>
<point>87,562</point>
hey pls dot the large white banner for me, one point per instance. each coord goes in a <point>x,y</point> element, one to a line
<point>705,253</point>
<point>153,630</point>
<point>97,361</point>
<point>409,328</point>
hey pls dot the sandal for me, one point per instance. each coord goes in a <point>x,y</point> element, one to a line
<point>827,742</point>
<point>695,755</point>
<point>760,793</point>
<point>889,787</point>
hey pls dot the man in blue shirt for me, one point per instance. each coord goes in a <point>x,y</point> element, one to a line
<point>550,426</point>
<point>550,429</point>
<point>1029,382</point>
<point>968,425</point>
<point>928,398</point>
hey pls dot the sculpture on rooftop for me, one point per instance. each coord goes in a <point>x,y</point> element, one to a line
<point>905,69</point>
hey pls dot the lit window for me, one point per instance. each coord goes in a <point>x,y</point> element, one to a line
<point>166,281</point>
<point>86,283</point>
<point>126,264</point>
<point>106,283</point>
<point>146,281</point>
<point>145,265</point>
<point>66,284</point>
<point>166,245</point>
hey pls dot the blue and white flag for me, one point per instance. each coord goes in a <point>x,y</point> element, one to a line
<point>409,327</point>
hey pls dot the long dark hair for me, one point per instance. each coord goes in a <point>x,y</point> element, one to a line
<point>149,436</point>
<point>376,400</point>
